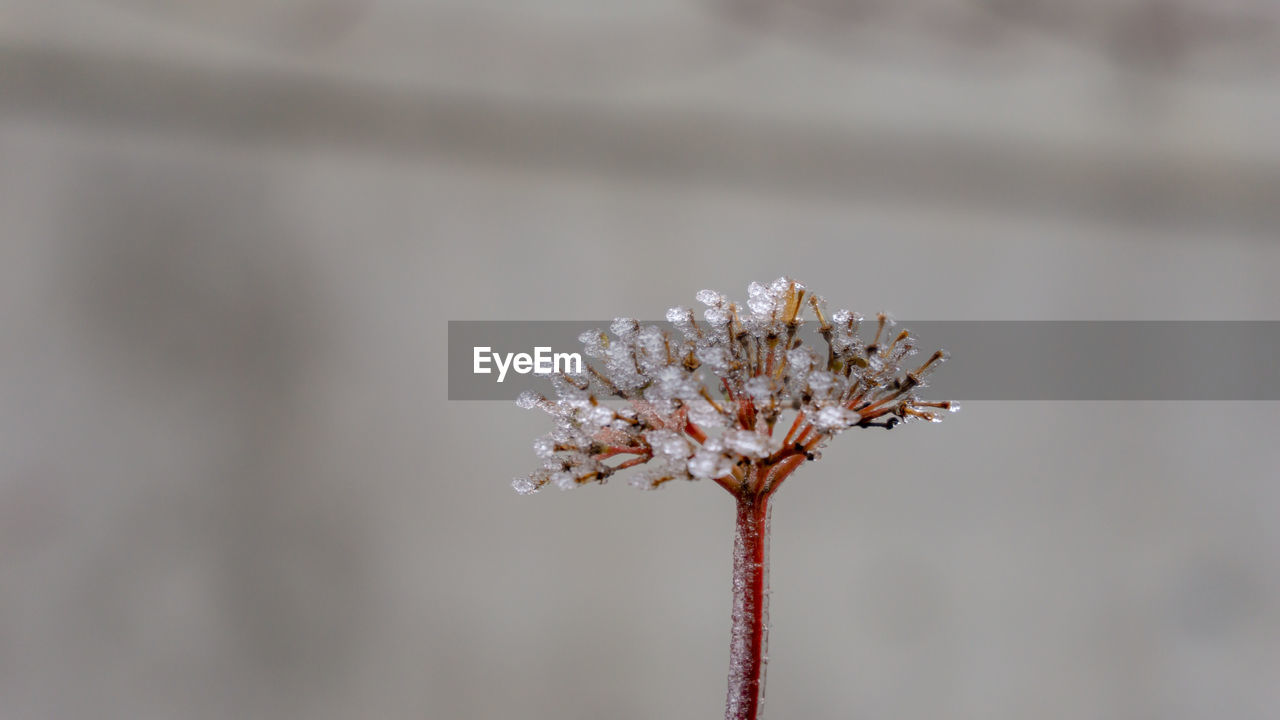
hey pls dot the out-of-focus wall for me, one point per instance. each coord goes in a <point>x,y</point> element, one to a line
<point>231,235</point>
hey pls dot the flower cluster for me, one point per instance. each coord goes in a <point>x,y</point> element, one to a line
<point>662,414</point>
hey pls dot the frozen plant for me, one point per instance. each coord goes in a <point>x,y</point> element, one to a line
<point>710,402</point>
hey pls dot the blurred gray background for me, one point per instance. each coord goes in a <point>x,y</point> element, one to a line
<point>231,235</point>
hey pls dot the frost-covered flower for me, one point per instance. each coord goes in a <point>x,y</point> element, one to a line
<point>708,401</point>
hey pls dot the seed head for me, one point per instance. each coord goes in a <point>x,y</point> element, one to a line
<point>704,402</point>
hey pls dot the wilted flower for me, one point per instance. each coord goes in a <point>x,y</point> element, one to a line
<point>707,403</point>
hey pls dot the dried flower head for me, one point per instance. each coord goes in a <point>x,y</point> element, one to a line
<point>705,404</point>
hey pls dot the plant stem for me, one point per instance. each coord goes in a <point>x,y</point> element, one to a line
<point>748,641</point>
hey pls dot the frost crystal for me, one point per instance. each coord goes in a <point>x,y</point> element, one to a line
<point>707,464</point>
<point>747,443</point>
<point>716,316</point>
<point>668,444</point>
<point>834,418</point>
<point>704,413</point>
<point>625,328</point>
<point>565,480</point>
<point>759,300</point>
<point>821,382</point>
<point>708,402</point>
<point>711,297</point>
<point>594,343</point>
<point>544,447</point>
<point>714,357</point>
<point>760,389</point>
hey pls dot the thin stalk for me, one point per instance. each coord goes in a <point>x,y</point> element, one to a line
<point>749,638</point>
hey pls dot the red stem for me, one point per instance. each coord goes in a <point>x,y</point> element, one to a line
<point>749,638</point>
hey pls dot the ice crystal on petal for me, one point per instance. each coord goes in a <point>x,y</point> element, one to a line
<point>622,366</point>
<point>760,299</point>
<point>671,383</point>
<point>822,382</point>
<point>760,389</point>
<point>801,361</point>
<point>600,416</point>
<point>708,464</point>
<point>569,386</point>
<point>715,358</point>
<point>594,343</point>
<point>625,328</point>
<point>711,297</point>
<point>682,319</point>
<point>716,316</point>
<point>747,442</point>
<point>668,444</point>
<point>524,486</point>
<point>782,284</point>
<point>652,342</point>
<point>833,417</point>
<point>703,413</point>
<point>528,399</point>
<point>647,480</point>
<point>544,447</point>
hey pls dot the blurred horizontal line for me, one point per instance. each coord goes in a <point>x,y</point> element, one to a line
<point>299,110</point>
